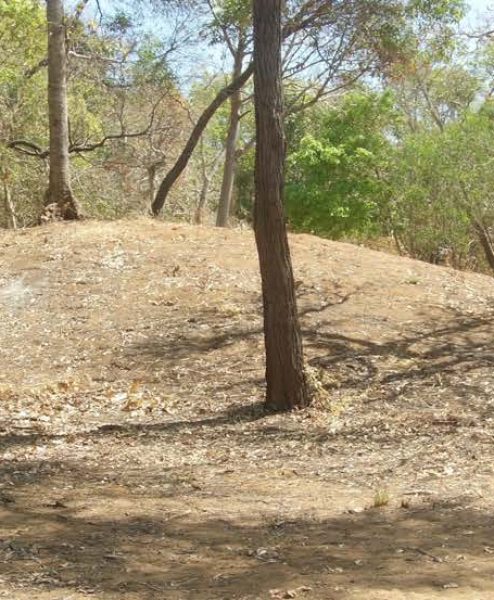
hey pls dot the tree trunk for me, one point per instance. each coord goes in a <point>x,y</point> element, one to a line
<point>225,204</point>
<point>59,198</point>
<point>205,185</point>
<point>9,206</point>
<point>436,117</point>
<point>182,161</point>
<point>485,241</point>
<point>203,196</point>
<point>151,170</point>
<point>285,378</point>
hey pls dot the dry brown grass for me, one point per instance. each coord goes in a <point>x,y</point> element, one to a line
<point>137,462</point>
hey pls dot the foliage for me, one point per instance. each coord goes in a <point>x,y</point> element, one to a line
<point>114,86</point>
<point>407,153</point>
<point>443,184</point>
<point>22,83</point>
<point>229,17</point>
<point>335,183</point>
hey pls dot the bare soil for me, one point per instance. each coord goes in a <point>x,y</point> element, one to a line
<point>136,460</point>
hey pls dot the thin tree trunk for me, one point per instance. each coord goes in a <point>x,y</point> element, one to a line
<point>225,204</point>
<point>485,241</point>
<point>436,117</point>
<point>59,194</point>
<point>151,181</point>
<point>285,378</point>
<point>398,244</point>
<point>203,196</point>
<point>481,231</point>
<point>9,206</point>
<point>205,185</point>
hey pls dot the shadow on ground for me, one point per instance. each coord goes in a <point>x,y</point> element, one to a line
<point>454,344</point>
<point>113,546</point>
<point>175,555</point>
<point>407,373</point>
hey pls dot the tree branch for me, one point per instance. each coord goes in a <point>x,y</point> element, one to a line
<point>32,149</point>
<point>29,148</point>
<point>300,21</point>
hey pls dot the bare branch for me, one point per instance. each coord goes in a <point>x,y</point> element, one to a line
<point>29,148</point>
<point>37,67</point>
<point>32,149</point>
<point>224,29</point>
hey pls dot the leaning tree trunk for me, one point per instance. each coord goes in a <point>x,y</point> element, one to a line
<point>60,200</point>
<point>485,241</point>
<point>285,378</point>
<point>225,203</point>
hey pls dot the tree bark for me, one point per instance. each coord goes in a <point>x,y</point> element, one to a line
<point>9,206</point>
<point>485,241</point>
<point>285,378</point>
<point>225,204</point>
<point>59,195</point>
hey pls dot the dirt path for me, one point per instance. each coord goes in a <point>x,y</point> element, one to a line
<point>137,462</point>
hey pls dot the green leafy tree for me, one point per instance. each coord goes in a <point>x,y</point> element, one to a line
<point>443,200</point>
<point>22,115</point>
<point>336,182</point>
<point>338,42</point>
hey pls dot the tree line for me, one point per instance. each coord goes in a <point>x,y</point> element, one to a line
<point>375,94</point>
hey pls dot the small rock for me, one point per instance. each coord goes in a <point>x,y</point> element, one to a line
<point>267,555</point>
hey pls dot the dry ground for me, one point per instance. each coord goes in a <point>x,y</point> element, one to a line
<point>138,464</point>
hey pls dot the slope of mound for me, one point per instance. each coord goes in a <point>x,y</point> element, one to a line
<point>130,426</point>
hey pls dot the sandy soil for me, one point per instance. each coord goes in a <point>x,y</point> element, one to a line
<point>136,460</point>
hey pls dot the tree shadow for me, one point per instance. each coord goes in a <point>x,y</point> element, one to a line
<point>189,341</point>
<point>236,414</point>
<point>401,371</point>
<point>454,343</point>
<point>176,555</point>
<point>170,553</point>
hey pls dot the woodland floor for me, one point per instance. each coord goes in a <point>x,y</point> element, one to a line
<point>136,462</point>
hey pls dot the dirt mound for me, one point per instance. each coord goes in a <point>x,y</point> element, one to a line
<point>137,462</point>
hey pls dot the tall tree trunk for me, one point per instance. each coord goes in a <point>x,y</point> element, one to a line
<point>151,171</point>
<point>206,178</point>
<point>285,378</point>
<point>203,196</point>
<point>59,194</point>
<point>225,203</point>
<point>9,205</point>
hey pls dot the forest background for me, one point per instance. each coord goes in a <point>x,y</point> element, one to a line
<point>388,130</point>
